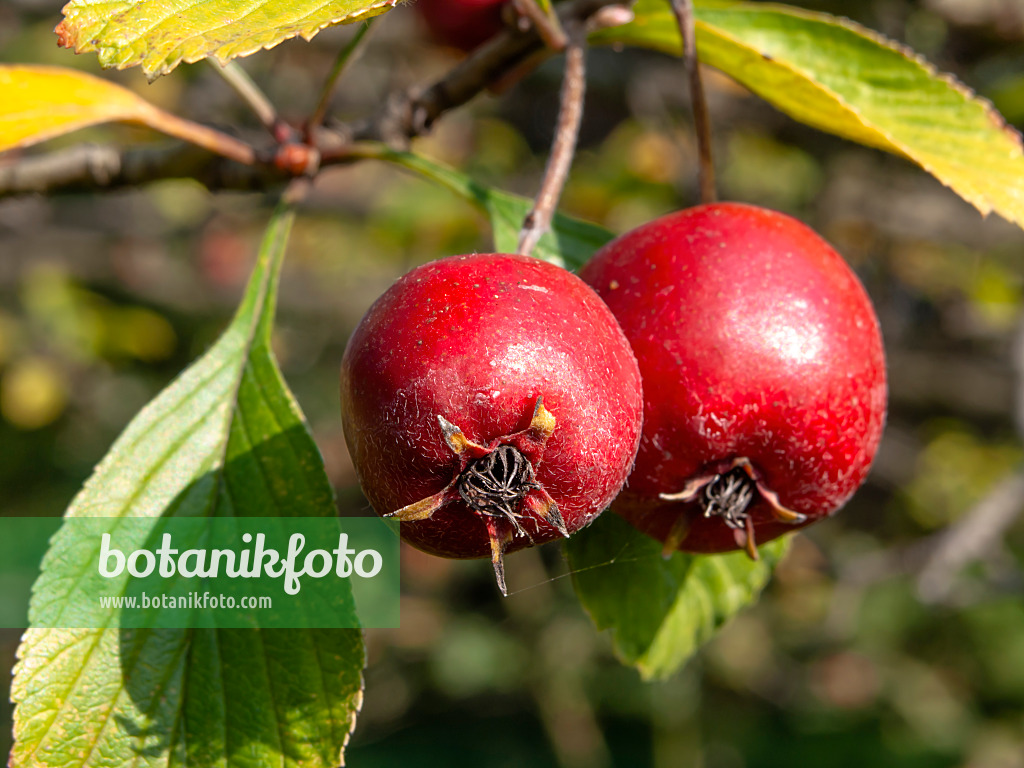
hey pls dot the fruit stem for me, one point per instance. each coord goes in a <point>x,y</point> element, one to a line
<point>570,114</point>
<point>683,10</point>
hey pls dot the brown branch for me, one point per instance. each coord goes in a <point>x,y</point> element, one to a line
<point>935,561</point>
<point>405,115</point>
<point>409,114</point>
<point>979,533</point>
<point>90,167</point>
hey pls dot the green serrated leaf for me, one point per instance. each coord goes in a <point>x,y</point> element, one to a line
<point>226,438</point>
<point>660,611</point>
<point>160,34</point>
<point>842,78</point>
<point>569,243</point>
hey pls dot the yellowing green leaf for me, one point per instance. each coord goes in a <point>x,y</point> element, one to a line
<point>837,76</point>
<point>160,34</point>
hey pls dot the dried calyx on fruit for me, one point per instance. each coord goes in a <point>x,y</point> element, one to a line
<point>490,403</point>
<point>498,482</point>
<point>763,371</point>
<point>726,491</point>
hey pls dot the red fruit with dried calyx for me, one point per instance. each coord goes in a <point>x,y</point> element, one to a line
<point>763,370</point>
<point>490,402</point>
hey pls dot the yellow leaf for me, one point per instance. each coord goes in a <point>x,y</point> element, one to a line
<point>38,103</point>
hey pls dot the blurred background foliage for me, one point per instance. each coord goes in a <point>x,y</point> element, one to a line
<point>846,661</point>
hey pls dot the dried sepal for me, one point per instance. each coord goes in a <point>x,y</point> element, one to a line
<point>728,493</point>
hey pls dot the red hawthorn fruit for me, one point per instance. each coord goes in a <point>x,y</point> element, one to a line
<point>490,403</point>
<point>462,24</point>
<point>763,369</point>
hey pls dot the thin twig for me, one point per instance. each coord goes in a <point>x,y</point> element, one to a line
<point>979,532</point>
<point>546,24</point>
<point>251,94</point>
<point>971,538</point>
<point>412,113</point>
<point>346,56</point>
<point>683,10</point>
<point>935,561</point>
<point>570,115</point>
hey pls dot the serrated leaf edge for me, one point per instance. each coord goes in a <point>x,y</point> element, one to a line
<point>66,38</point>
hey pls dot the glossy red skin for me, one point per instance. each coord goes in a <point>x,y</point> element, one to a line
<point>477,339</point>
<point>462,24</point>
<point>755,340</point>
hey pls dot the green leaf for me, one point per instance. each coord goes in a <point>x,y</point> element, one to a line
<point>160,34</point>
<point>837,76</point>
<point>660,611</point>
<point>226,438</point>
<point>570,243</point>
